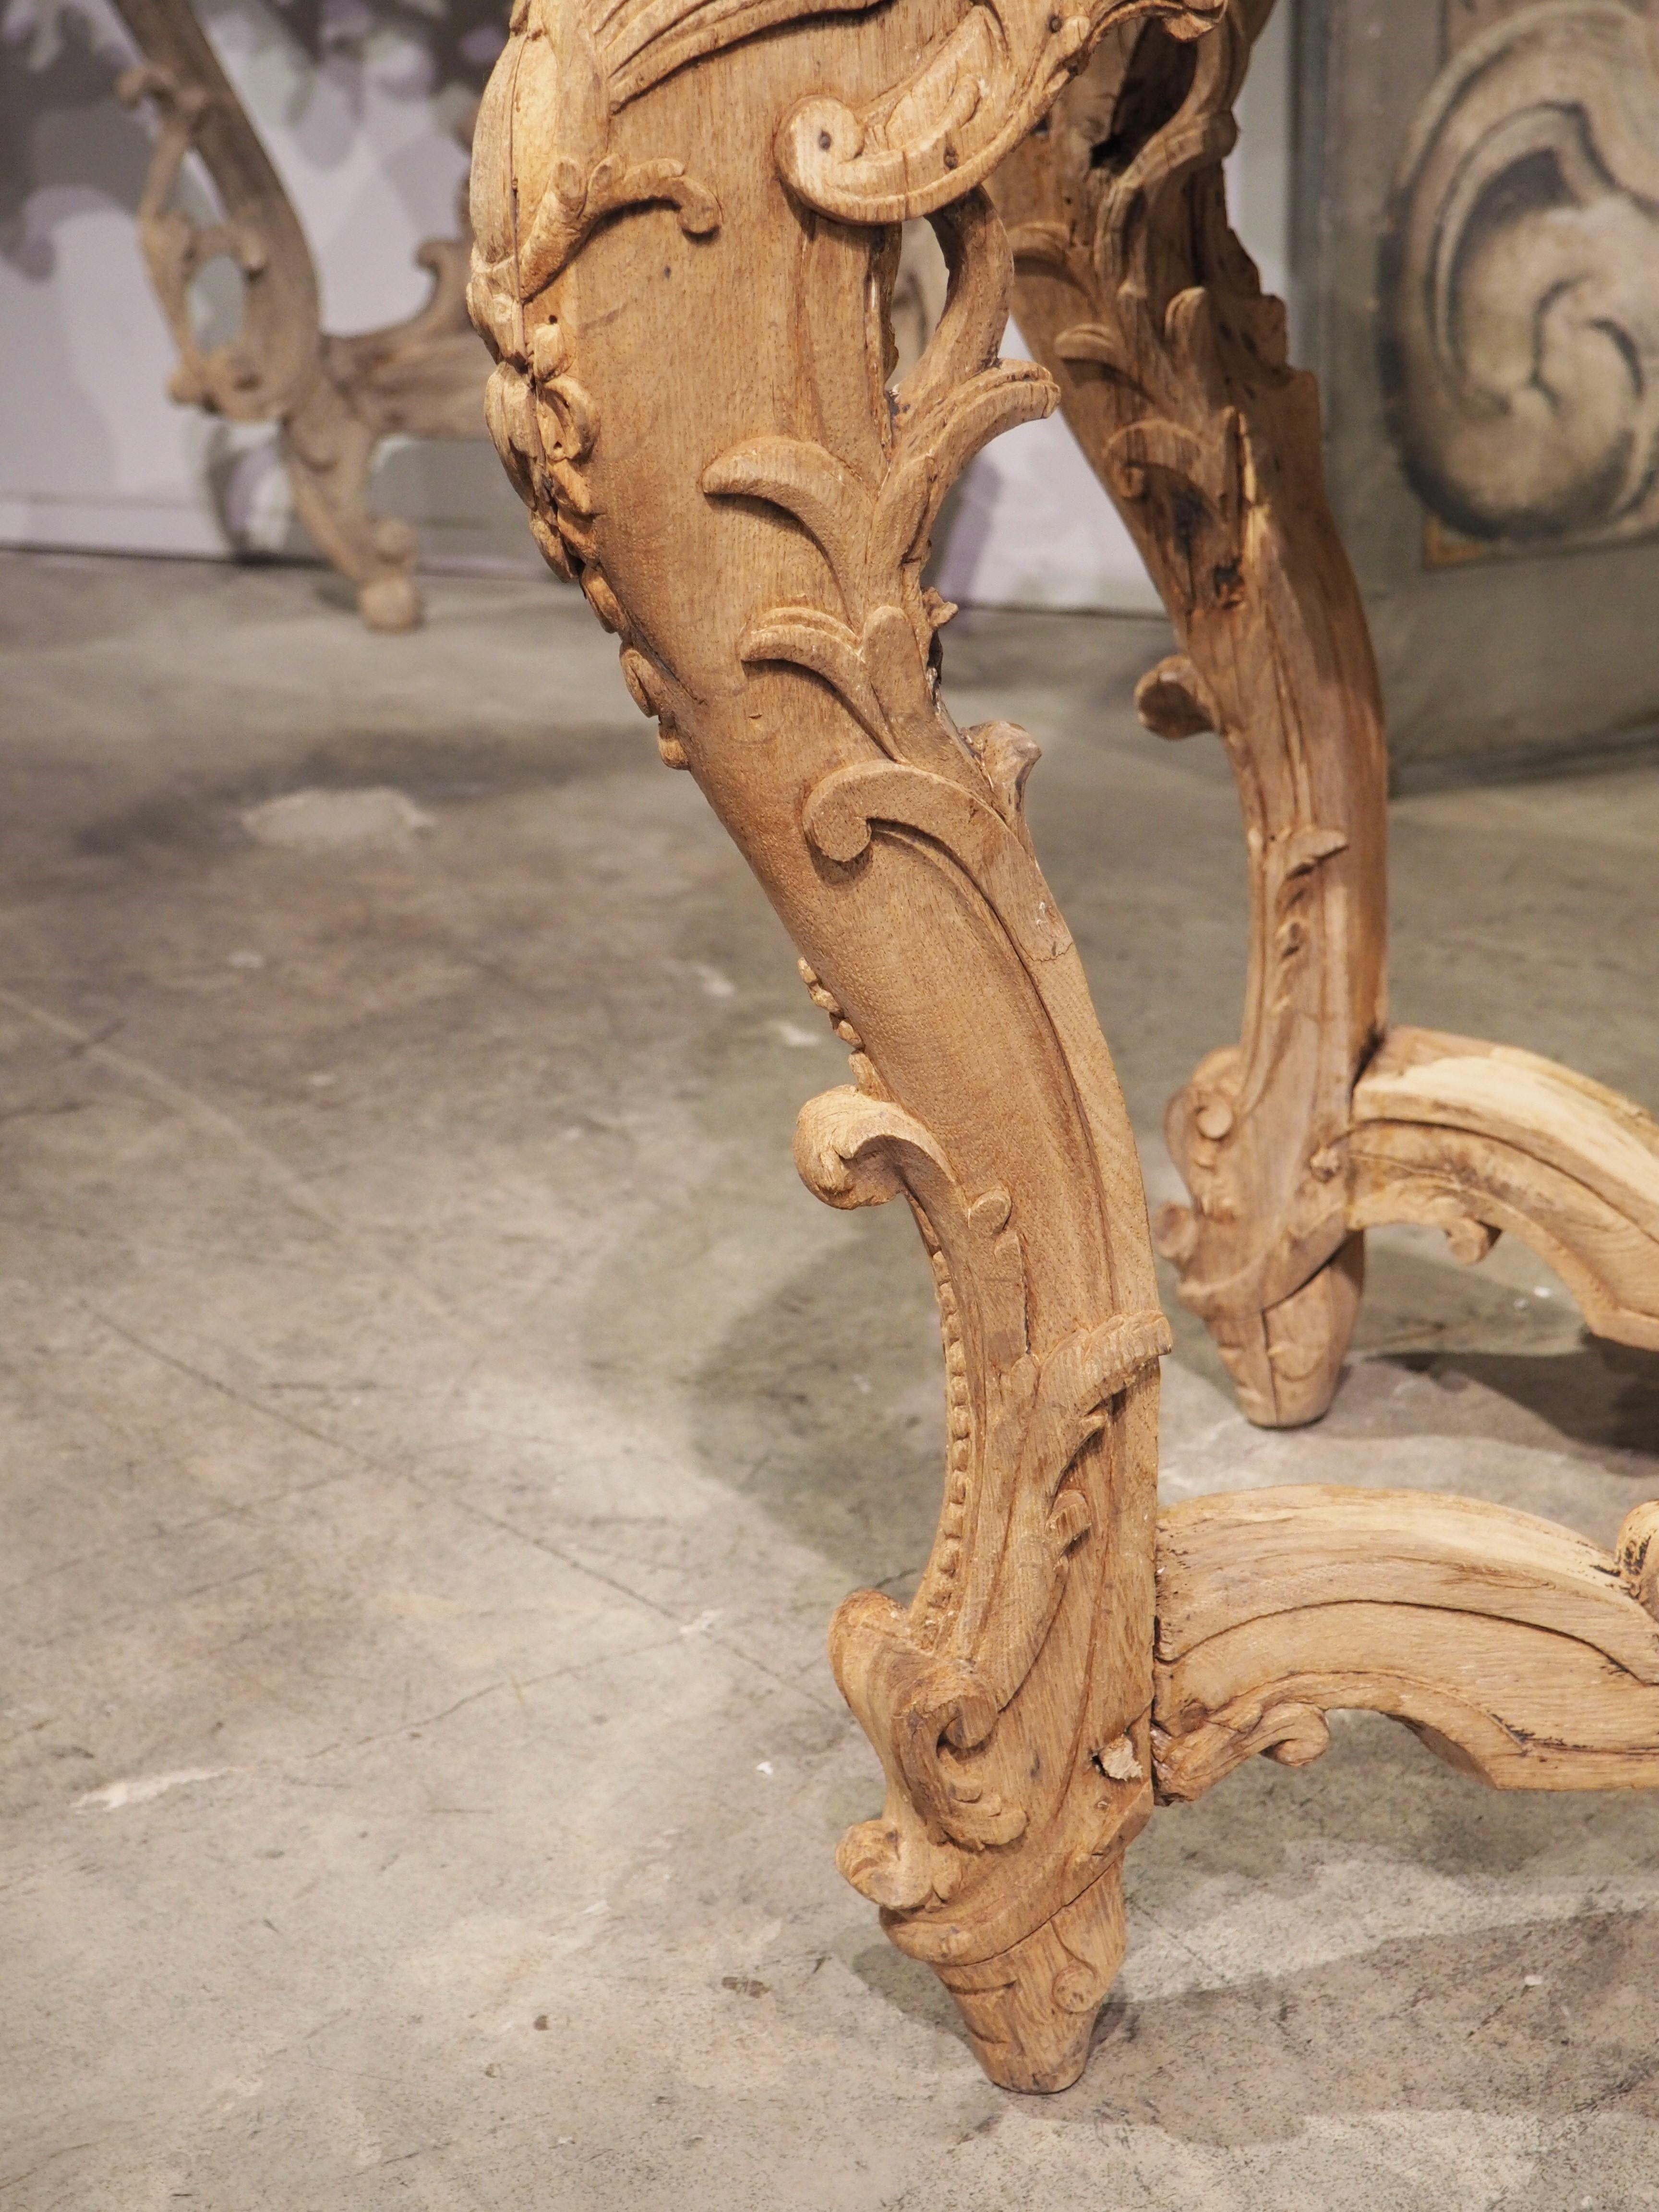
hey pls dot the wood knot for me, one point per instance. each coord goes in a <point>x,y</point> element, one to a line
<point>1173,700</point>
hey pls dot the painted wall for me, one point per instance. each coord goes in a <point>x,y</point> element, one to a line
<point>359,106</point>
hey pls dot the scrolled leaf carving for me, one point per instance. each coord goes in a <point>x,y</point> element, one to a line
<point>843,809</point>
<point>876,650</point>
<point>970,102</point>
<point>571,65</point>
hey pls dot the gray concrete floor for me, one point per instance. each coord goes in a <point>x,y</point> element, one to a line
<point>437,1426</point>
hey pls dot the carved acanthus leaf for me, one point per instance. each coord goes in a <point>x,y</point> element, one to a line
<point>1101,347</point>
<point>868,536</point>
<point>831,504</point>
<point>826,647</point>
<point>572,64</point>
<point>574,203</point>
<point>969,102</point>
<point>840,811</point>
<point>875,651</point>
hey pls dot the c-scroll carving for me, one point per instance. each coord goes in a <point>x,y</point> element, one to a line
<point>967,104</point>
<point>335,398</point>
<point>1137,297</point>
<point>929,1683</point>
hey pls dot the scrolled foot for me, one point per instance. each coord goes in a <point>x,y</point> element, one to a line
<point>1031,2011</point>
<point>1286,1363</point>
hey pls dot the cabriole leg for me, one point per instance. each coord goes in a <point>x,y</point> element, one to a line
<point>1140,301</point>
<point>686,245</point>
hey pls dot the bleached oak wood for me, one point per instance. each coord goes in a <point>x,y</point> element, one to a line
<point>335,398</point>
<point>1476,1138</point>
<point>1134,293</point>
<point>687,239</point>
<point>1516,1650</point>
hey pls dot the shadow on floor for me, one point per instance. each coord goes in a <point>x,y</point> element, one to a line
<point>1546,2015</point>
<point>1549,2019</point>
<point>826,1405</point>
<point>1594,1401</point>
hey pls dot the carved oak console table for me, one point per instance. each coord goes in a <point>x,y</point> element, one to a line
<point>335,398</point>
<point>687,220</point>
